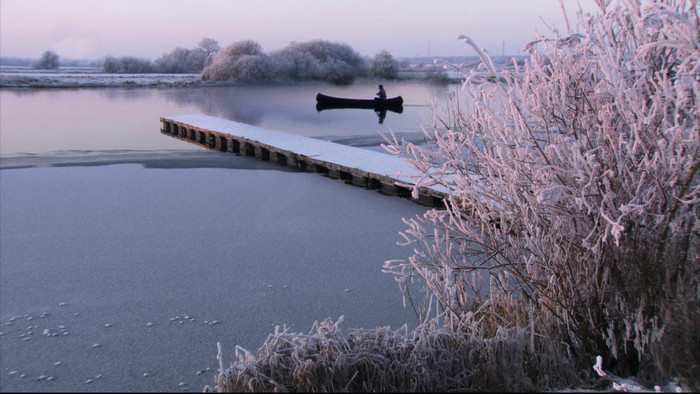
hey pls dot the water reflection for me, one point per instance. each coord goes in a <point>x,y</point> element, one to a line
<point>291,108</point>
<point>45,120</point>
<point>382,115</point>
<point>129,94</point>
<point>380,107</point>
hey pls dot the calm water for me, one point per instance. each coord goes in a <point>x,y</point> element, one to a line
<point>112,258</point>
<point>45,120</point>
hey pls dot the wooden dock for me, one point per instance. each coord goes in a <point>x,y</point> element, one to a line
<point>356,166</point>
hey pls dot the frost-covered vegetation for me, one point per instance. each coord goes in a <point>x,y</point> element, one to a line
<point>178,61</point>
<point>316,60</point>
<point>571,230</point>
<point>241,62</point>
<point>188,61</point>
<point>574,187</point>
<point>320,60</point>
<point>127,65</point>
<point>245,62</point>
<point>429,359</point>
<point>384,65</point>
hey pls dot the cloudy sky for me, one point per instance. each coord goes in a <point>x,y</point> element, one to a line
<point>92,29</point>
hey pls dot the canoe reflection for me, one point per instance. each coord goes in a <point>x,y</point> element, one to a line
<point>379,106</point>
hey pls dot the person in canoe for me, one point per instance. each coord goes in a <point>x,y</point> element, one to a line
<point>381,94</point>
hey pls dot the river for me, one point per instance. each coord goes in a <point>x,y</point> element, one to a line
<point>127,254</point>
<point>45,120</point>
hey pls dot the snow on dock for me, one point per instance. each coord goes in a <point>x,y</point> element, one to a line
<point>360,167</point>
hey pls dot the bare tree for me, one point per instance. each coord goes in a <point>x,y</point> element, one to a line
<point>210,47</point>
<point>47,61</point>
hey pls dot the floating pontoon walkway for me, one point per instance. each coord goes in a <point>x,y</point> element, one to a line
<point>356,166</point>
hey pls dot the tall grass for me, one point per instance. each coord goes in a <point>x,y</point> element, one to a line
<point>429,359</point>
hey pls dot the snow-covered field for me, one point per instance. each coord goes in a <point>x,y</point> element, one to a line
<point>17,78</point>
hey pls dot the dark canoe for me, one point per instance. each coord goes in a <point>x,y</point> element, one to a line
<point>327,102</point>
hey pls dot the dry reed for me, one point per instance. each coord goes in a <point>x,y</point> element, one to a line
<point>426,359</point>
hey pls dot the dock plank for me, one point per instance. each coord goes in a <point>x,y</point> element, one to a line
<point>357,166</point>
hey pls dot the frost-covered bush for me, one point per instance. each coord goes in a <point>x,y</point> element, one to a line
<point>127,65</point>
<point>297,65</point>
<point>254,68</point>
<point>192,61</point>
<point>428,359</point>
<point>573,188</point>
<point>320,60</point>
<point>240,48</point>
<point>383,65</point>
<point>180,61</point>
<point>315,60</point>
<point>339,72</point>
<point>47,61</point>
<point>224,66</point>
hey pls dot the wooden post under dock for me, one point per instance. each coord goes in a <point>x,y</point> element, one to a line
<point>356,166</point>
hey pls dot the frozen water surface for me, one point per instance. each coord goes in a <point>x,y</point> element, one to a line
<point>126,255</point>
<point>122,277</point>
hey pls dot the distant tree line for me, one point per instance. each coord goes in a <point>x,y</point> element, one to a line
<point>178,61</point>
<point>14,61</point>
<point>244,62</point>
<point>63,62</point>
<point>316,60</point>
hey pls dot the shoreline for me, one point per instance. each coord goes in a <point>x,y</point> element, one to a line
<point>189,157</point>
<point>100,80</point>
<point>68,80</point>
<point>160,159</point>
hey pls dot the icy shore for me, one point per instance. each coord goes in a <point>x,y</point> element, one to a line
<point>24,77</point>
<point>98,80</point>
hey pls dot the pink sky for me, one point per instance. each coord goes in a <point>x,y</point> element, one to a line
<point>148,28</point>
